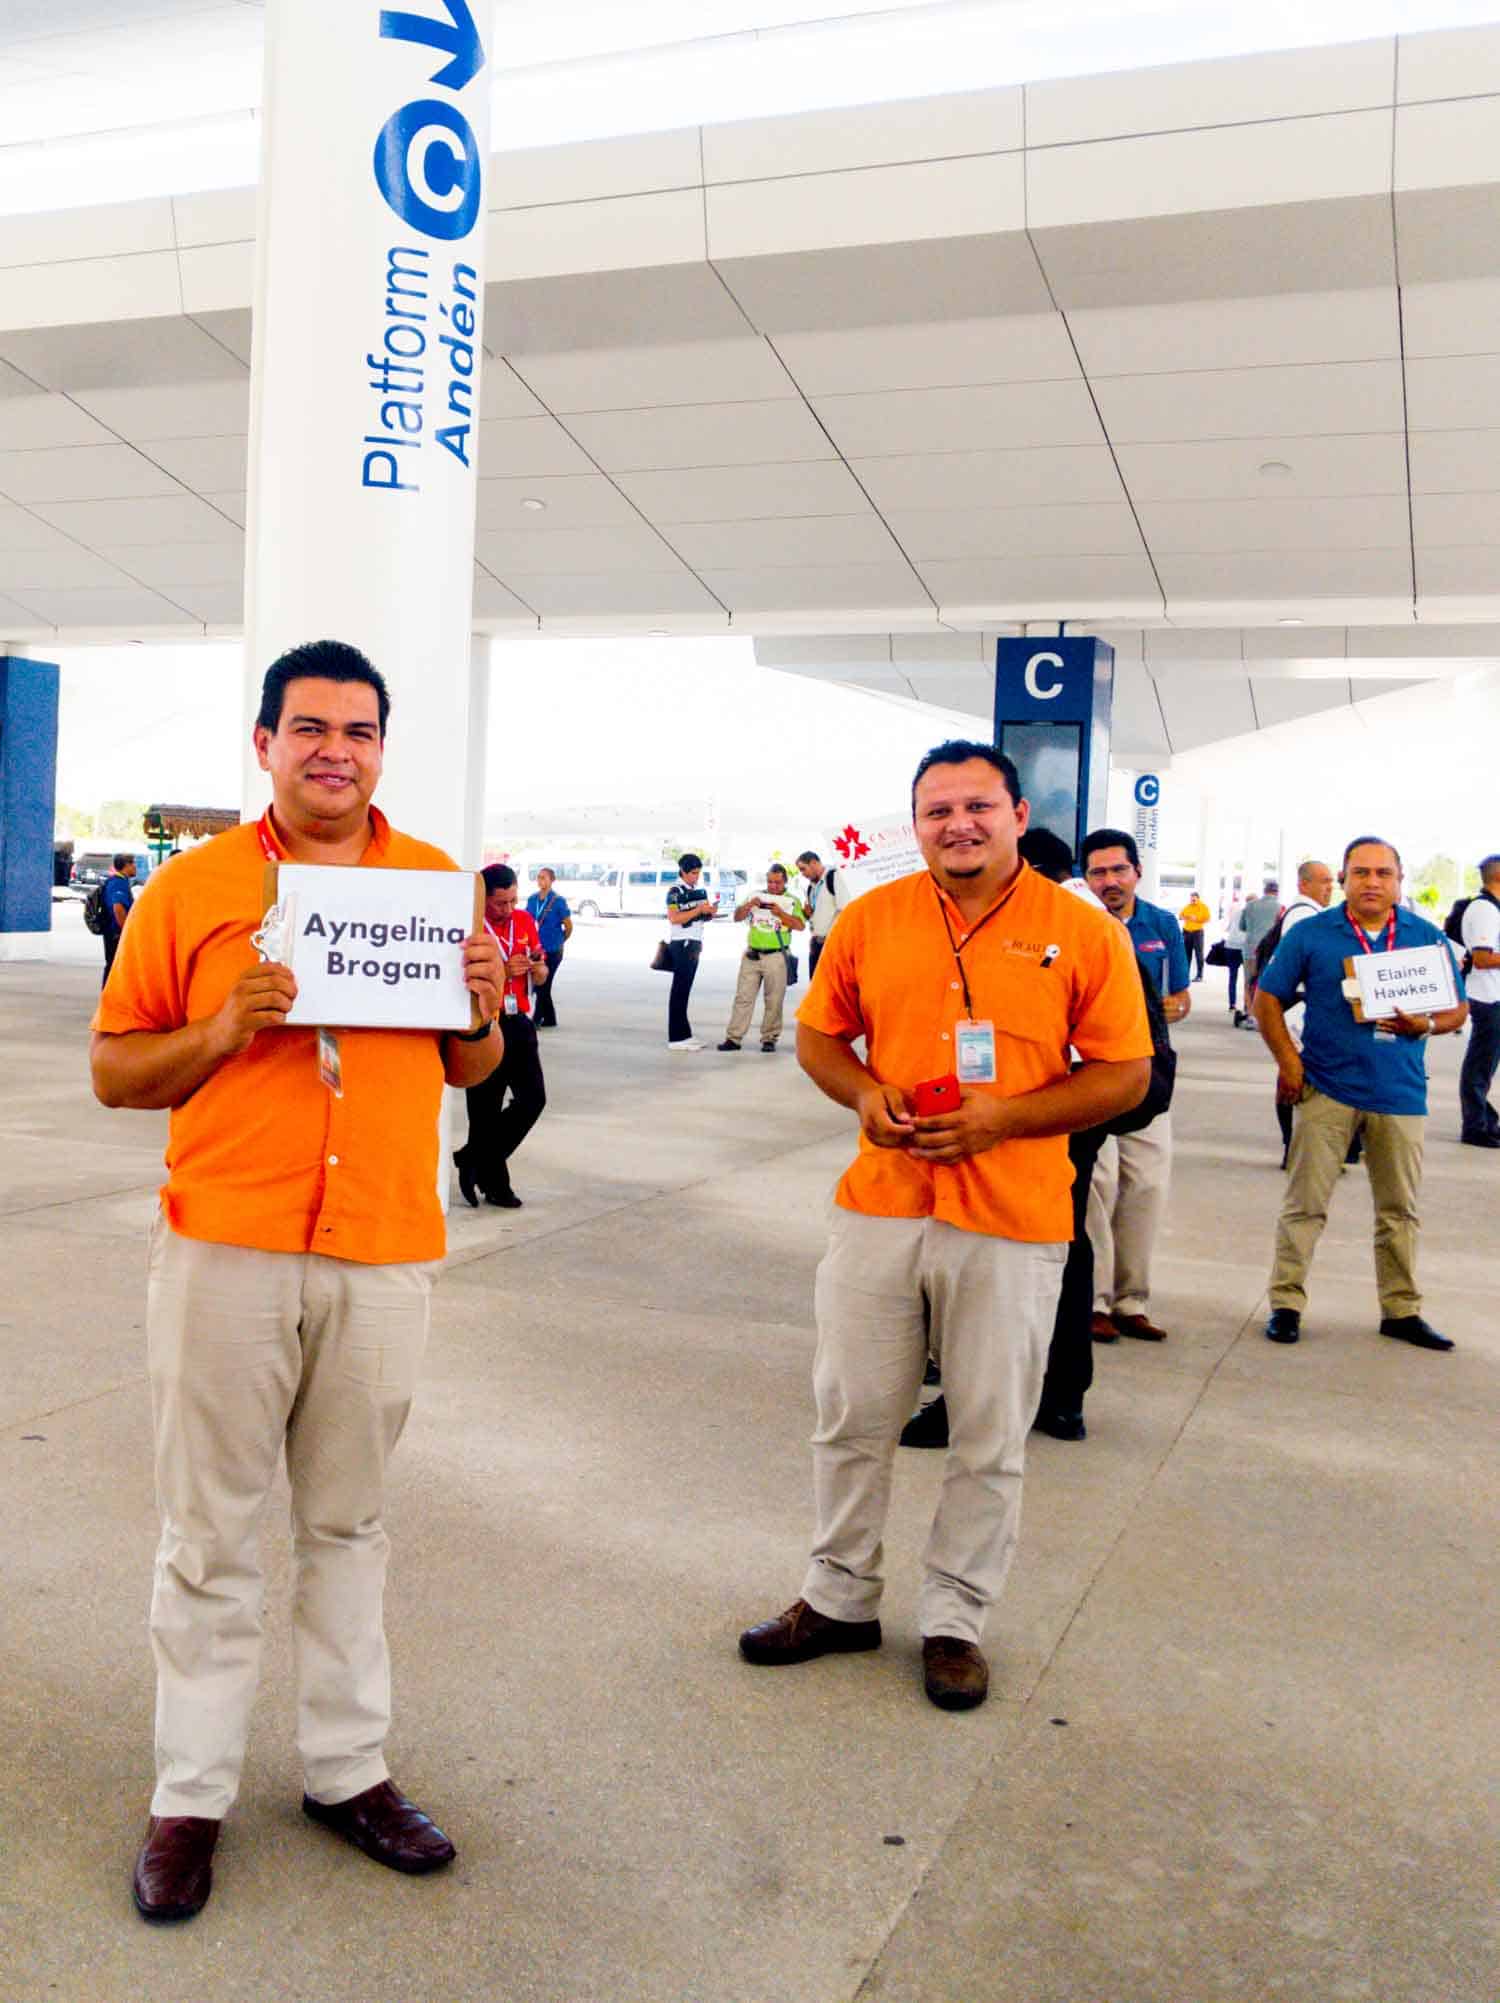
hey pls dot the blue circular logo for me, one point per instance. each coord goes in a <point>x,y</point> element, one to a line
<point>1147,790</point>
<point>428,168</point>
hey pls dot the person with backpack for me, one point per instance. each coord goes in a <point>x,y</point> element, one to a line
<point>115,900</point>
<point>1314,894</point>
<point>1478,932</point>
<point>826,898</point>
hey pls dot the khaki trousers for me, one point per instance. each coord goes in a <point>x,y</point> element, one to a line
<point>249,1352</point>
<point>1127,1201</point>
<point>888,1289</point>
<point>1321,1133</point>
<point>769,972</point>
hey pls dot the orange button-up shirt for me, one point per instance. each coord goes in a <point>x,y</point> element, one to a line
<point>1048,970</point>
<point>263,1154</point>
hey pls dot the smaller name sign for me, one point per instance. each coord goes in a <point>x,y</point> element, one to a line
<point>375,948</point>
<point>1418,981</point>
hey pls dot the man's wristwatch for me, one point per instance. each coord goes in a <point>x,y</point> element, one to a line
<point>475,1035</point>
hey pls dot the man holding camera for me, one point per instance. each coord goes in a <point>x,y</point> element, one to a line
<point>774,915</point>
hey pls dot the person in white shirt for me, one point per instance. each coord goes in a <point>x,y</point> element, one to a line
<point>1481,938</point>
<point>1314,893</point>
<point>826,897</point>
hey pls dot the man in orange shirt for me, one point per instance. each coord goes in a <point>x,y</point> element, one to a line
<point>950,1228</point>
<point>290,1272</point>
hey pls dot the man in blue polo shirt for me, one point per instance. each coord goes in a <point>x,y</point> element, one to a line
<point>554,924</point>
<point>1128,1196</point>
<point>1352,1077</point>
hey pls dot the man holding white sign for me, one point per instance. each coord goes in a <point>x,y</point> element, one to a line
<point>291,1268</point>
<point>1379,981</point>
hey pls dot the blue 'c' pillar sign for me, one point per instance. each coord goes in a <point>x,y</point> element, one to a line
<point>28,792</point>
<point>1052,717</point>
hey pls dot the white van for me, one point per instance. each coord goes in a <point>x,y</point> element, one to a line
<point>641,892</point>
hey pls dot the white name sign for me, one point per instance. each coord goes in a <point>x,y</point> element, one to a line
<point>374,948</point>
<point>1417,981</point>
<point>871,852</point>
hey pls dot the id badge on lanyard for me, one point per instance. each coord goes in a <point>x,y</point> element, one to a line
<point>974,1052</point>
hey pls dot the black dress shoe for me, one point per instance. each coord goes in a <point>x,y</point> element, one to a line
<point>802,1633</point>
<point>1060,1425</point>
<point>728,1044</point>
<point>387,1827</point>
<point>468,1187</point>
<point>929,1428</point>
<point>174,1872</point>
<point>504,1199</point>
<point>1284,1325</point>
<point>1479,1140</point>
<point>1411,1328</point>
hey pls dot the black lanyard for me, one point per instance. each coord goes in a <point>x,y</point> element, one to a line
<point>958,951</point>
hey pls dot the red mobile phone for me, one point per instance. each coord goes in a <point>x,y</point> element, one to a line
<point>936,1095</point>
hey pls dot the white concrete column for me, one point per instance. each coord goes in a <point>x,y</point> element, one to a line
<point>364,426</point>
<point>476,768</point>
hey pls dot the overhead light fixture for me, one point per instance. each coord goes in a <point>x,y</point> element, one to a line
<point>1275,469</point>
<point>1291,622</point>
<point>533,506</point>
<point>656,632</point>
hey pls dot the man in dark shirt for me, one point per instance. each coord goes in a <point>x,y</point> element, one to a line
<point>690,911</point>
<point>118,898</point>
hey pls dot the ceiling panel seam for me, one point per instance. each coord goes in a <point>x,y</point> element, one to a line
<point>241,367</point>
<point>1093,399</point>
<point>853,475</point>
<point>481,565</point>
<point>640,512</point>
<point>1411,522</point>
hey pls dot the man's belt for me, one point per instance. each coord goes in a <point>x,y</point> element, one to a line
<point>763,952</point>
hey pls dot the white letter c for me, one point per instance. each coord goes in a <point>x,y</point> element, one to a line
<point>1033,687</point>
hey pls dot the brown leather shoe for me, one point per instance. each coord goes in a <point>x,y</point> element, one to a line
<point>955,1673</point>
<point>1141,1327</point>
<point>174,1873</point>
<point>801,1633</point>
<point>387,1827</point>
<point>1102,1327</point>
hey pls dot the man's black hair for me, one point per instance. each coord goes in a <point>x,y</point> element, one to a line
<point>778,869</point>
<point>1489,865</point>
<point>1048,854</point>
<point>326,661</point>
<point>1111,838</point>
<point>119,861</point>
<point>958,751</point>
<point>808,855</point>
<point>1370,841</point>
<point>687,862</point>
<point>498,876</point>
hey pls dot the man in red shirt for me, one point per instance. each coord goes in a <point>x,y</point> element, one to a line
<point>497,1129</point>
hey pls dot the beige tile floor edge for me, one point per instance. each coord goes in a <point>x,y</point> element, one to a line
<point>1243,1743</point>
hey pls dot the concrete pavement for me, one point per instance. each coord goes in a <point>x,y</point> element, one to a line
<point>1242,1742</point>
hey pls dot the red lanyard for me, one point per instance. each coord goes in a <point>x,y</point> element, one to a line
<point>1390,934</point>
<point>268,846</point>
